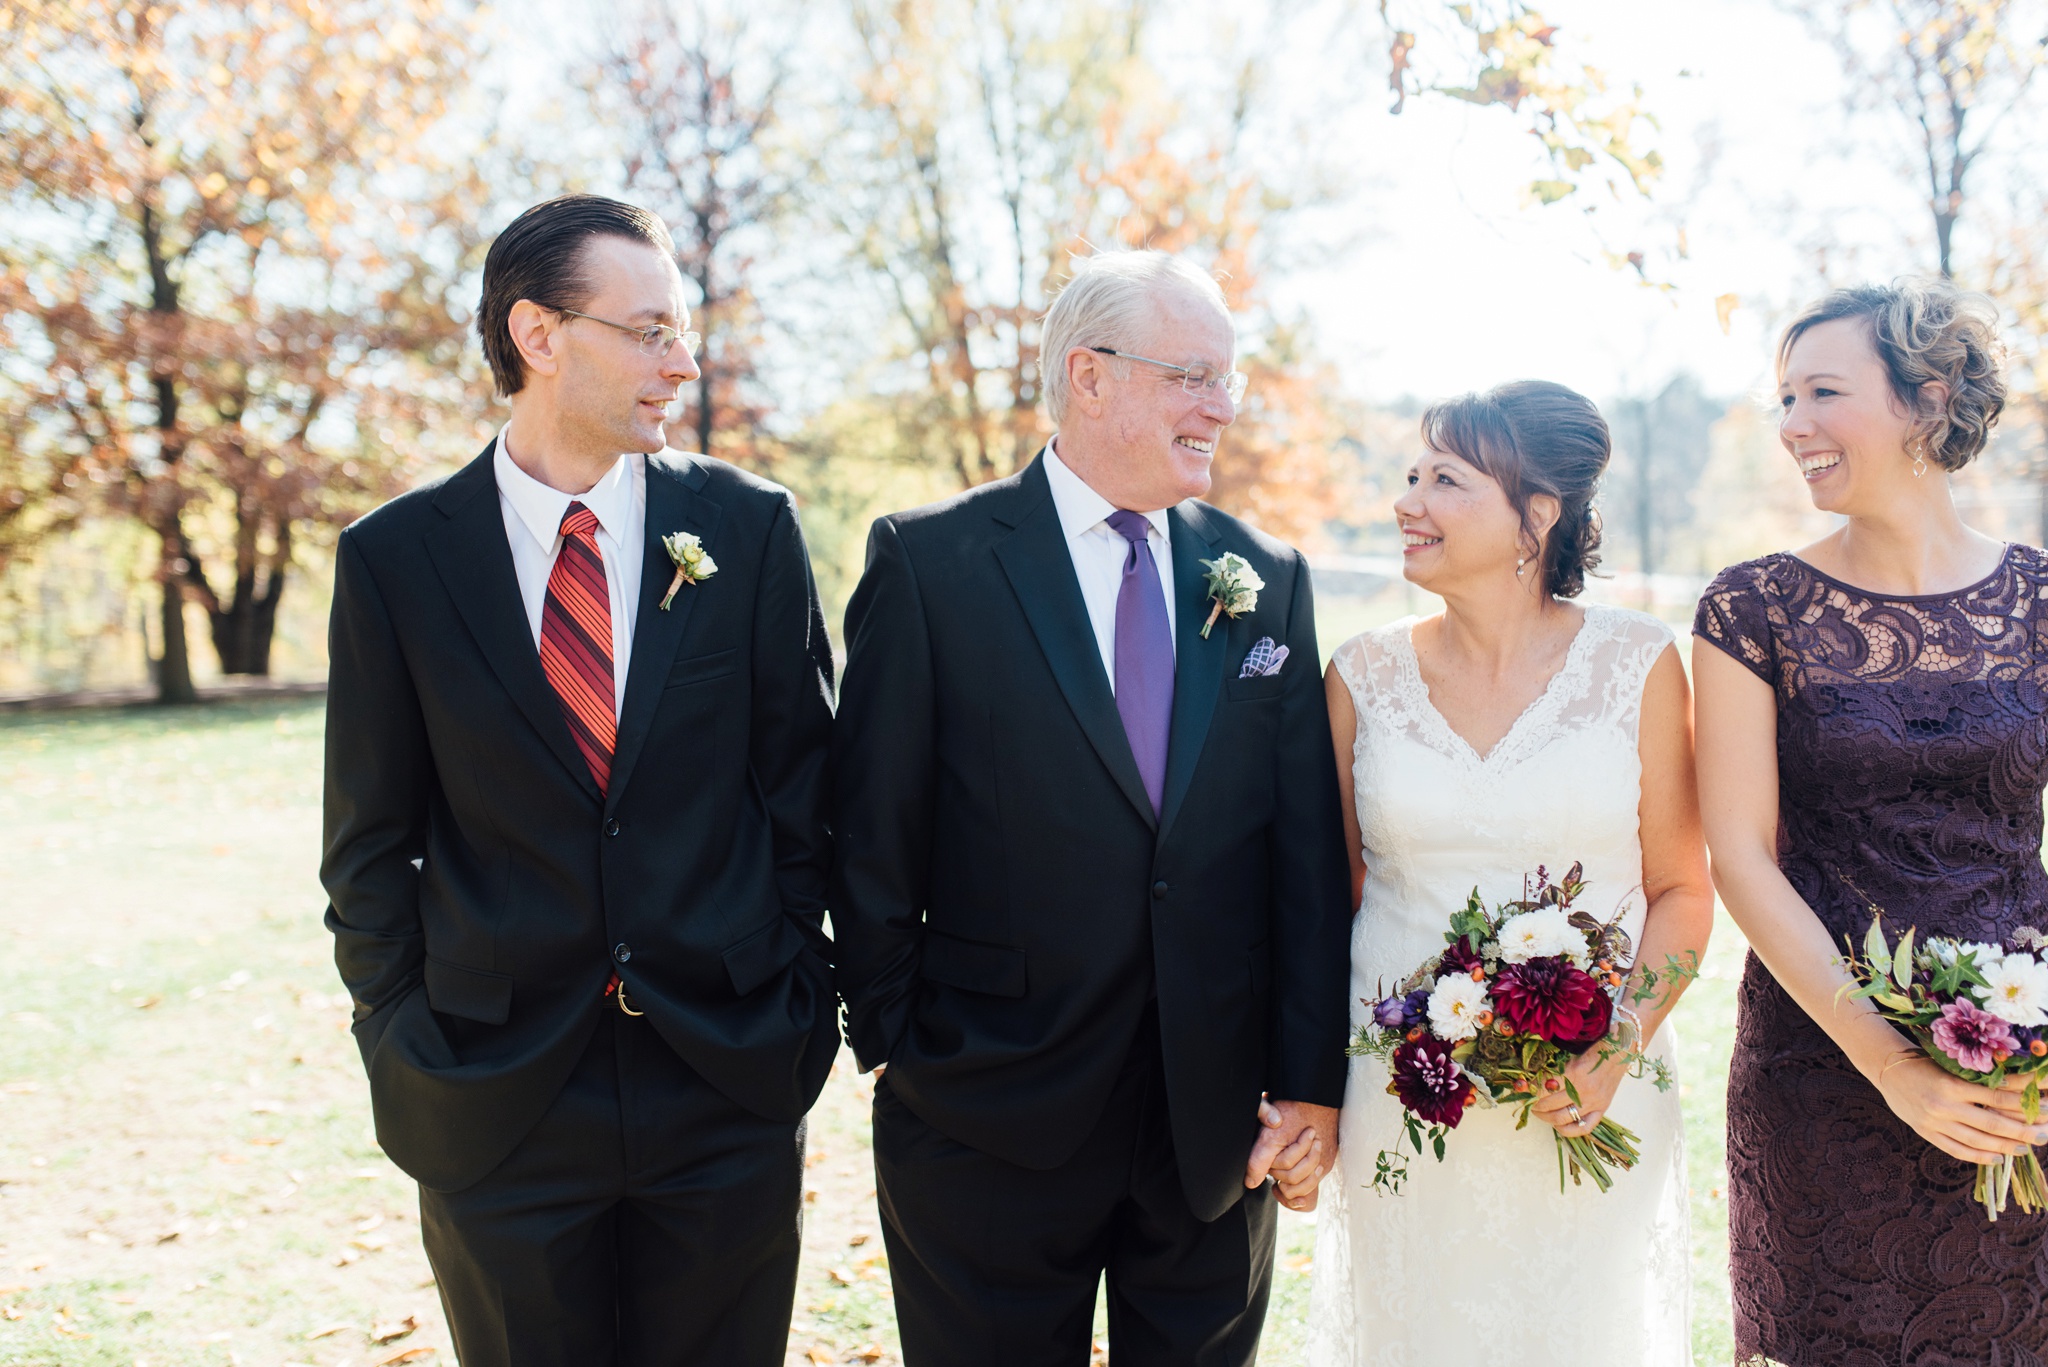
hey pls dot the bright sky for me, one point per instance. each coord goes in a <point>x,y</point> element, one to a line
<point>1459,285</point>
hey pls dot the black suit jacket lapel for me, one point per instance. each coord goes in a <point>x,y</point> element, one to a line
<point>1198,663</point>
<point>673,505</point>
<point>474,560</point>
<point>1041,570</point>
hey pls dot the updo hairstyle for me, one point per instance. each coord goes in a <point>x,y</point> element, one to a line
<point>1534,437</point>
<point>1925,330</point>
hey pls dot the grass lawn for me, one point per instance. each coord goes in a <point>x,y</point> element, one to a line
<point>187,1172</point>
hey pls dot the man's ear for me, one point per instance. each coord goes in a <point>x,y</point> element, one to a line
<point>1085,375</point>
<point>534,332</point>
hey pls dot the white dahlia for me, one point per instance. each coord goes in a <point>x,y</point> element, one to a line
<point>2017,989</point>
<point>1541,934</point>
<point>1454,1006</point>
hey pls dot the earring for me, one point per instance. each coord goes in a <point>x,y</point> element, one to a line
<point>1919,450</point>
<point>1520,562</point>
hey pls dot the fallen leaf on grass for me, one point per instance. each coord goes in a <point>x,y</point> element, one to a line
<point>168,1235</point>
<point>368,1223</point>
<point>867,1352</point>
<point>1300,1262</point>
<point>841,1275</point>
<point>402,1355</point>
<point>857,1240</point>
<point>390,1331</point>
<point>144,1003</point>
<point>266,1140</point>
<point>328,1331</point>
<point>347,1256</point>
<point>11,1312</point>
<point>375,1244</point>
<point>818,1352</point>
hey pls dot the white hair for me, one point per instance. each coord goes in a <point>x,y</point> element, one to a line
<point>1109,302</point>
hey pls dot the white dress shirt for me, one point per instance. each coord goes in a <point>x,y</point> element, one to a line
<point>1099,551</point>
<point>533,524</point>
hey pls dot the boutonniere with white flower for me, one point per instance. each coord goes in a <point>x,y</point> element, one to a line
<point>693,565</point>
<point>1233,587</point>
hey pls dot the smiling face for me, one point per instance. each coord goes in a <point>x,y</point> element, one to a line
<point>608,391</point>
<point>1139,439</point>
<point>1841,422</point>
<point>1458,528</point>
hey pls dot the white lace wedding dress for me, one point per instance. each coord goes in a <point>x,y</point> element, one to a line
<point>1481,1259</point>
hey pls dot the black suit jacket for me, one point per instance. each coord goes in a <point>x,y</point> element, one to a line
<point>1004,898</point>
<point>481,892</point>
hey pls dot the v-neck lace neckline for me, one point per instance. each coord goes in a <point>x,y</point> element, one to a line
<point>1574,661</point>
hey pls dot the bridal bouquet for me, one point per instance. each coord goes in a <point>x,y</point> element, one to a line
<point>1979,1011</point>
<point>1496,1018</point>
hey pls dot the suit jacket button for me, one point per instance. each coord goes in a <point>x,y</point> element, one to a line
<point>622,952</point>
<point>611,827</point>
<point>1159,891</point>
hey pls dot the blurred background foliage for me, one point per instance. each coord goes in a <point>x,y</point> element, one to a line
<point>240,245</point>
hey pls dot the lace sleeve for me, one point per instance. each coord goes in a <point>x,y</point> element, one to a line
<point>1734,617</point>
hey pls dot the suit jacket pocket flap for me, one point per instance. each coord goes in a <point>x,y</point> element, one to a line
<point>470,993</point>
<point>762,954</point>
<point>995,969</point>
<point>698,668</point>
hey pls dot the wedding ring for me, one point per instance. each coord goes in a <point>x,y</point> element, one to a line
<point>1577,1119</point>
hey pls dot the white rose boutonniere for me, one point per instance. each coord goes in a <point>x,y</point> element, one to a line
<point>1233,587</point>
<point>693,566</point>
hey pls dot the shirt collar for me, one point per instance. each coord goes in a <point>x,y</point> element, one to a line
<point>540,508</point>
<point>1081,509</point>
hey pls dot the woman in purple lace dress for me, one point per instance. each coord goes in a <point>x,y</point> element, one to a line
<point>1873,732</point>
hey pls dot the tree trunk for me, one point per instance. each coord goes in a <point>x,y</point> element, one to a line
<point>174,669</point>
<point>243,630</point>
<point>244,626</point>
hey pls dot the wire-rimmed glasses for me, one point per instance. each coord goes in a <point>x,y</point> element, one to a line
<point>1194,379</point>
<point>654,341</point>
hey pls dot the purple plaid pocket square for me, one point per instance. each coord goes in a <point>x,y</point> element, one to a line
<point>1263,659</point>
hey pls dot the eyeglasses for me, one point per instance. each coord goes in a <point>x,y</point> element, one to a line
<point>1194,379</point>
<point>654,341</point>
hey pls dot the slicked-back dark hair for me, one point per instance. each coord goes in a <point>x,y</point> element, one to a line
<point>1534,437</point>
<point>540,256</point>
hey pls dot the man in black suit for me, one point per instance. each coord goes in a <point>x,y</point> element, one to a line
<point>1090,892</point>
<point>576,840</point>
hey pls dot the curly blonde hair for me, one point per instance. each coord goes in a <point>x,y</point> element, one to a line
<point>1926,331</point>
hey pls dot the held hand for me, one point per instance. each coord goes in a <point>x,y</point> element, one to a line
<point>1963,1119</point>
<point>1296,1145</point>
<point>1596,1080</point>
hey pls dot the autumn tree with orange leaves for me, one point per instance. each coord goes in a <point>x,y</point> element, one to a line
<point>226,267</point>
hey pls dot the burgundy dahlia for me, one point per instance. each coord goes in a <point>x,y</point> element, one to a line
<point>1599,1016</point>
<point>1459,958</point>
<point>1429,1083</point>
<point>1550,997</point>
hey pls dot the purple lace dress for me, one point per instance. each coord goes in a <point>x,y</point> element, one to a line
<point>1912,754</point>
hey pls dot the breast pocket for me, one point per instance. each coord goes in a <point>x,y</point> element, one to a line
<point>1258,688</point>
<point>696,669</point>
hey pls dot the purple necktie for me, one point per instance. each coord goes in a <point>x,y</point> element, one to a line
<point>1144,656</point>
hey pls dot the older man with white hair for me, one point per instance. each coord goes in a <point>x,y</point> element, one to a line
<point>1090,887</point>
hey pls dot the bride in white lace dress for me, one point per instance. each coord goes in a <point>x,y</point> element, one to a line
<point>1515,729</point>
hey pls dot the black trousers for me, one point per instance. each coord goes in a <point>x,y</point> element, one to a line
<point>997,1266</point>
<point>646,1221</point>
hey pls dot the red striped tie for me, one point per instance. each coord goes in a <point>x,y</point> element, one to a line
<point>576,642</point>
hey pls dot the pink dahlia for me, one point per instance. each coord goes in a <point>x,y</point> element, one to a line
<point>1552,998</point>
<point>1428,1082</point>
<point>1969,1035</point>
